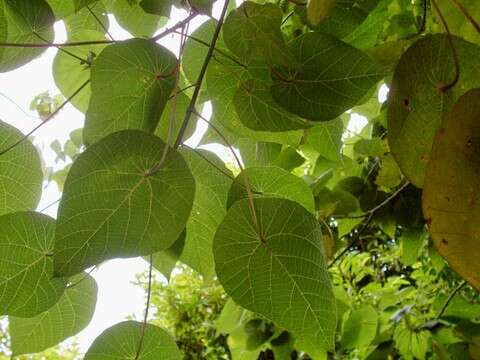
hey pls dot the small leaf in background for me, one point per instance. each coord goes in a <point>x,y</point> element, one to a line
<point>253,266</point>
<point>71,314</point>
<point>326,138</point>
<point>27,286</point>
<point>113,207</point>
<point>131,83</point>
<point>165,261</point>
<point>360,328</point>
<point>122,341</point>
<point>450,198</point>
<point>20,172</point>
<point>389,175</point>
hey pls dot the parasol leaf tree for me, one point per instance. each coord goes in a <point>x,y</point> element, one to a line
<point>338,216</point>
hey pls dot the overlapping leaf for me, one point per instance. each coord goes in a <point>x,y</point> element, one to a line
<point>209,208</point>
<point>27,286</point>
<point>331,77</point>
<point>272,181</point>
<point>131,83</point>
<point>28,22</point>
<point>67,317</point>
<point>20,172</point>
<point>280,271</point>
<point>113,206</point>
<point>165,261</point>
<point>450,197</point>
<point>417,99</point>
<point>122,341</point>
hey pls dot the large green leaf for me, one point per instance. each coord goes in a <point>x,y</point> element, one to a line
<point>257,109</point>
<point>27,22</point>
<point>272,181</point>
<point>131,83</point>
<point>122,341</point>
<point>280,272</point>
<point>112,206</point>
<point>331,77</point>
<point>253,31</point>
<point>450,196</point>
<point>69,73</point>
<point>209,208</point>
<point>20,172</point>
<point>66,318</point>
<point>27,287</point>
<point>417,102</point>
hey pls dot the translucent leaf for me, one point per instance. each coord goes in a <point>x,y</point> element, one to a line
<point>131,83</point>
<point>69,73</point>
<point>79,4</point>
<point>209,208</point>
<point>87,19</point>
<point>412,344</point>
<point>450,196</point>
<point>272,181</point>
<point>417,103</point>
<point>360,328</point>
<point>66,318</point>
<point>27,22</point>
<point>326,139</point>
<point>284,264</point>
<point>20,172</point>
<point>113,207</point>
<point>252,32</point>
<point>121,342</point>
<point>331,77</point>
<point>257,110</point>
<point>134,19</point>
<point>27,287</point>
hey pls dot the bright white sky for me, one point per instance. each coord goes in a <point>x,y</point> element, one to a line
<point>117,296</point>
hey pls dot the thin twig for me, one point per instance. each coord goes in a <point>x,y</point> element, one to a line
<point>50,205</point>
<point>147,307</point>
<point>470,18</point>
<point>452,83</point>
<point>203,70</point>
<point>69,286</point>
<point>379,206</point>
<point>56,45</point>
<point>450,297</point>
<point>199,153</point>
<point>102,25</point>
<point>82,60</point>
<point>178,25</point>
<point>51,116</point>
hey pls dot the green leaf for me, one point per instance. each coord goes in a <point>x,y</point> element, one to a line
<point>450,198</point>
<point>252,32</point>
<point>319,10</point>
<point>417,103</point>
<point>94,18</point>
<point>326,139</point>
<point>389,174</point>
<point>257,110</point>
<point>282,265</point>
<point>360,328</point>
<point>28,22</point>
<point>79,4</point>
<point>69,73</point>
<point>412,242</point>
<point>165,261</point>
<point>257,153</point>
<point>412,344</point>
<point>20,172</point>
<point>131,83</point>
<point>230,318</point>
<point>212,182</point>
<point>121,342</point>
<point>457,23</point>
<point>71,314</point>
<point>27,287</point>
<point>112,206</point>
<point>272,181</point>
<point>332,77</point>
<point>370,147</point>
<point>223,80</point>
<point>134,19</point>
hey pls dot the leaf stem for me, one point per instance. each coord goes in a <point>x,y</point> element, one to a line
<point>470,18</point>
<point>102,25</point>
<point>178,25</point>
<point>50,117</point>
<point>147,307</point>
<point>450,298</point>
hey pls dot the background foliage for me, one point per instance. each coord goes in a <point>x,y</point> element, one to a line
<point>346,226</point>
